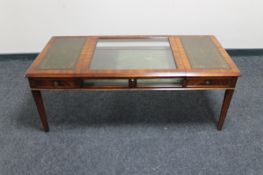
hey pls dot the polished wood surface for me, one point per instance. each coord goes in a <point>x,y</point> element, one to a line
<point>182,63</point>
<point>76,78</point>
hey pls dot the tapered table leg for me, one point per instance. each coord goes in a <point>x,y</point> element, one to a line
<point>41,109</point>
<point>226,102</point>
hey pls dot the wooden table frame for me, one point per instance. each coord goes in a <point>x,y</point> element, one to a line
<point>189,78</point>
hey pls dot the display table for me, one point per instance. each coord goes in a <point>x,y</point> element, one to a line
<point>133,63</point>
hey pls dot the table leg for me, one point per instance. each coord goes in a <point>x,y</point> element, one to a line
<point>41,109</point>
<point>226,102</point>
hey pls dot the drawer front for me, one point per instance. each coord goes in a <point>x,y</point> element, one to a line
<point>210,82</point>
<point>54,83</point>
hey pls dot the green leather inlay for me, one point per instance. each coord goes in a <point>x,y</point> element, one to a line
<point>132,54</point>
<point>202,53</point>
<point>63,54</point>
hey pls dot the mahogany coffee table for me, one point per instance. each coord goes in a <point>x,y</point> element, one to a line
<point>133,63</point>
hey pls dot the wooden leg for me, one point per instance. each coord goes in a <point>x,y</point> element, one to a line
<point>41,109</point>
<point>227,99</point>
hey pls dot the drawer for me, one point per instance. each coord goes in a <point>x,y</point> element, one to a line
<point>54,83</point>
<point>210,82</point>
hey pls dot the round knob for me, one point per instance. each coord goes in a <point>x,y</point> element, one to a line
<point>56,83</point>
<point>132,83</point>
<point>207,82</point>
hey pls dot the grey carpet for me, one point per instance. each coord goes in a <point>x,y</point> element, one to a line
<point>131,132</point>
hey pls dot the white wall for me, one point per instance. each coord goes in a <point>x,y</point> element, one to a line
<point>26,25</point>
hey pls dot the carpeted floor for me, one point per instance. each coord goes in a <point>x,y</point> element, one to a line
<point>171,132</point>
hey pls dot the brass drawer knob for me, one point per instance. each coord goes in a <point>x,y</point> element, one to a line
<point>56,84</point>
<point>207,82</point>
<point>132,83</point>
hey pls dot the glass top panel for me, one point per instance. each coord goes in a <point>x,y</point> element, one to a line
<point>127,54</point>
<point>202,53</point>
<point>63,54</point>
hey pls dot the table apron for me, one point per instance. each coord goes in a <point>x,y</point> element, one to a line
<point>191,83</point>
